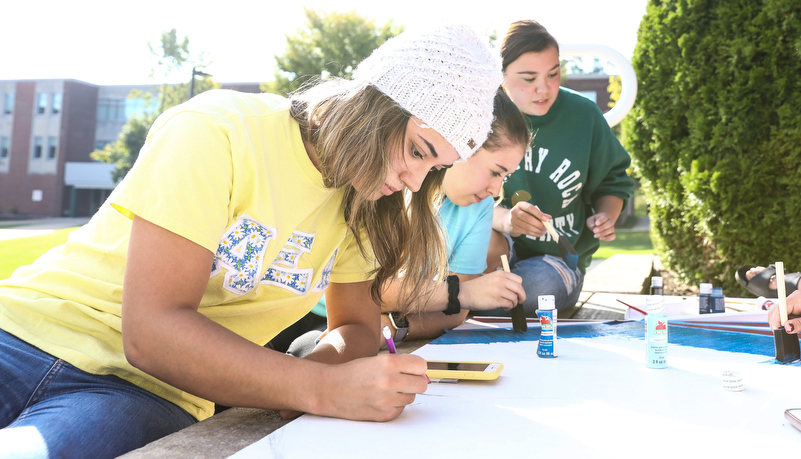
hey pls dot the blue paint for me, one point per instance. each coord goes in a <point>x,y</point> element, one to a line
<point>720,340</point>
<point>547,345</point>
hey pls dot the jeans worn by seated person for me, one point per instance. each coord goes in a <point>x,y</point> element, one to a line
<point>544,275</point>
<point>50,408</point>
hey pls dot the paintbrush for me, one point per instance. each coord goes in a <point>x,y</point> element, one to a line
<point>632,307</point>
<point>787,348</point>
<point>519,322</point>
<point>566,249</point>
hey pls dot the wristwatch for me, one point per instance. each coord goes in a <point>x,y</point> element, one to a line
<point>400,324</point>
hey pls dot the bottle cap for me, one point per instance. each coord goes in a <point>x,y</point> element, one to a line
<point>546,302</point>
<point>706,288</point>
<point>656,281</point>
<point>655,304</point>
<point>717,291</point>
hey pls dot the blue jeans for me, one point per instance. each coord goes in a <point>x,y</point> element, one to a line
<point>543,275</point>
<point>49,408</point>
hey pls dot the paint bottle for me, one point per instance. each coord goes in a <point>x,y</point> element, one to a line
<point>717,303</point>
<point>766,303</point>
<point>547,314</point>
<point>704,298</point>
<point>656,332</point>
<point>656,285</point>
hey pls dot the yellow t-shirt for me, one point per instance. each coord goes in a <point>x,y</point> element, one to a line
<point>229,172</point>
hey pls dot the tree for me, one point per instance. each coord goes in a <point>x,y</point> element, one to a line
<point>330,44</point>
<point>124,151</point>
<point>577,65</point>
<point>715,131</point>
<point>172,57</point>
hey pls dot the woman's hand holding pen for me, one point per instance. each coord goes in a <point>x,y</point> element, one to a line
<point>367,389</point>
<point>374,388</point>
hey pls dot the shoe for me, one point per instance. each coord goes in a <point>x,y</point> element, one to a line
<point>758,285</point>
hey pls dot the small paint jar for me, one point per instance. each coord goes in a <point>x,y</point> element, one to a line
<point>704,298</point>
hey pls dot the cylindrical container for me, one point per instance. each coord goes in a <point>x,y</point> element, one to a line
<point>704,300</point>
<point>732,381</point>
<point>717,304</point>
<point>656,332</point>
<point>766,303</point>
<point>547,313</point>
<point>656,285</point>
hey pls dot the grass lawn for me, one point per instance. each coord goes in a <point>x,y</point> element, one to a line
<point>631,242</point>
<point>634,242</point>
<point>23,251</point>
<point>18,252</point>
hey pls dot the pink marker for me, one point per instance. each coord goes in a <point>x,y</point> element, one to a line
<point>388,337</point>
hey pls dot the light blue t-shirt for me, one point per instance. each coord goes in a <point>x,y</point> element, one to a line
<point>468,229</point>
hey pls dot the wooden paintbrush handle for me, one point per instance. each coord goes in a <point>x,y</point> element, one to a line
<point>550,229</point>
<point>505,262</point>
<point>779,265</point>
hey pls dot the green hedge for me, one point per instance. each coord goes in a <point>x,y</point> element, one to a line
<point>715,134</point>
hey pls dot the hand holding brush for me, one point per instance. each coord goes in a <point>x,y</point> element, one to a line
<point>566,249</point>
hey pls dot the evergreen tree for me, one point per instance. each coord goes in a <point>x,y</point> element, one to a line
<point>715,134</point>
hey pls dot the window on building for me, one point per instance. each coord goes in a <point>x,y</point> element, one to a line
<point>52,144</point>
<point>8,103</point>
<point>102,109</point>
<point>111,110</point>
<point>41,103</point>
<point>4,145</point>
<point>37,147</point>
<point>56,103</point>
<point>118,112</point>
<point>140,107</point>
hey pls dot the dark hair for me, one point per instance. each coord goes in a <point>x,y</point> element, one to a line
<point>509,126</point>
<point>525,37</point>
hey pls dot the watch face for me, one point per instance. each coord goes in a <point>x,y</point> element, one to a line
<point>399,321</point>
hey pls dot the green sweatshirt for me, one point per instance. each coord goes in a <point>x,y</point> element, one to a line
<point>574,160</point>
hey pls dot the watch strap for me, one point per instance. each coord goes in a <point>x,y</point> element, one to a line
<point>454,306</point>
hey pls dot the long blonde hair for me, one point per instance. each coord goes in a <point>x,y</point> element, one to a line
<point>354,128</point>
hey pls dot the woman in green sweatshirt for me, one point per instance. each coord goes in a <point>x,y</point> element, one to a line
<point>574,175</point>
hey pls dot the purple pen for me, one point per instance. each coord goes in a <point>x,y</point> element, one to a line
<point>388,337</point>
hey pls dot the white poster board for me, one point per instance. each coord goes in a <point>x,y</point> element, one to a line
<point>596,399</point>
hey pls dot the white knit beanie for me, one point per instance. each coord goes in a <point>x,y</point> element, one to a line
<point>446,76</point>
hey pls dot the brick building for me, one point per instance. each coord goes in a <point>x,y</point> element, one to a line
<point>48,128</point>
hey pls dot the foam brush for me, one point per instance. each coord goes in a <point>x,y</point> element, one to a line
<point>519,322</point>
<point>566,249</point>
<point>787,347</point>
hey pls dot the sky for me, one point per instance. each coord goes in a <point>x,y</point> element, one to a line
<point>106,42</point>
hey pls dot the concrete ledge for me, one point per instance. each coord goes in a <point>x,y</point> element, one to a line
<point>621,273</point>
<point>226,433</point>
<point>217,437</point>
<point>618,276</point>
